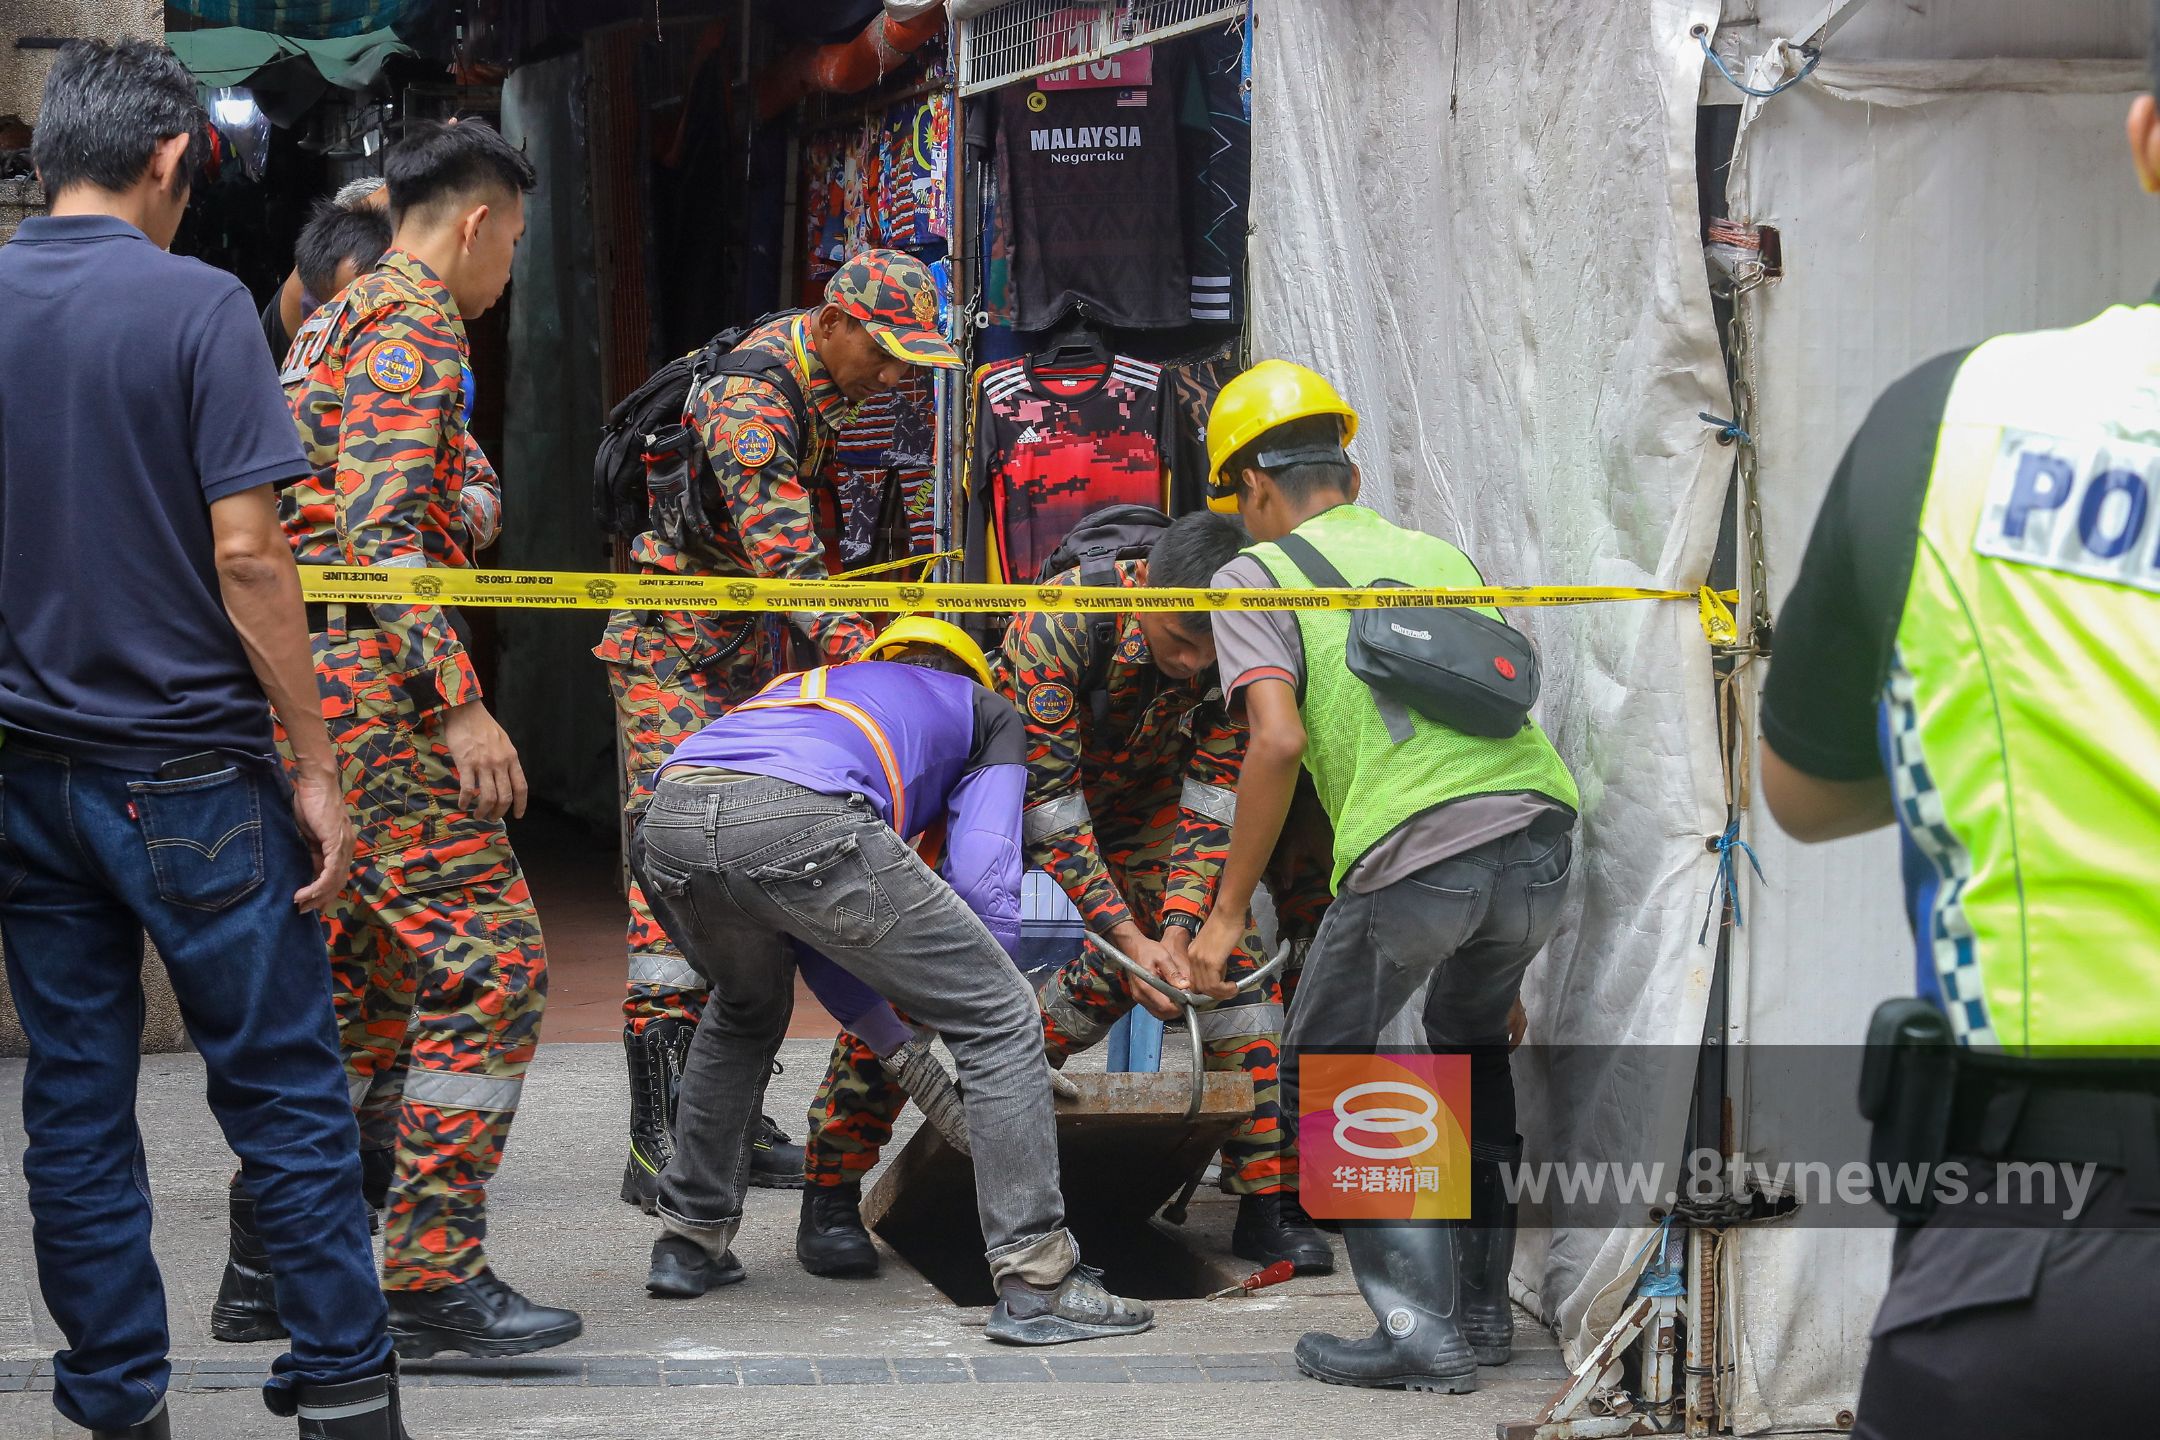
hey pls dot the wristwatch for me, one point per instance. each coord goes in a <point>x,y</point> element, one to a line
<point>1189,923</point>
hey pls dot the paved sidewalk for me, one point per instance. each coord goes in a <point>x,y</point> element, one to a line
<point>784,1354</point>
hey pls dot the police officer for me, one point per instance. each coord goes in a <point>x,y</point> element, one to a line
<point>1452,855</point>
<point>1128,809</point>
<point>1971,651</point>
<point>768,438</point>
<point>436,929</point>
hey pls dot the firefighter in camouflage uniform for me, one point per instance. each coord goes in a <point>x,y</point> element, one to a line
<point>768,438</point>
<point>1128,808</point>
<point>436,953</point>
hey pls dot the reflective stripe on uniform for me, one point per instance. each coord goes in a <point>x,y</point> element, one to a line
<point>1216,802</point>
<point>1061,816</point>
<point>458,1090</point>
<point>813,695</point>
<point>668,971</point>
<point>356,1088</point>
<point>1226,1021</point>
<point>345,1412</point>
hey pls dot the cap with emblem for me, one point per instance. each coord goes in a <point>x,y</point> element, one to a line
<point>896,299</point>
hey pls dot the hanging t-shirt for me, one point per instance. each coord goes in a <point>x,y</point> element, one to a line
<point>1094,204</point>
<point>1217,188</point>
<point>1051,448</point>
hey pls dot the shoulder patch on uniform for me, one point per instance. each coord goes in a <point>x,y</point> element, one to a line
<point>754,444</point>
<point>394,365</point>
<point>1049,703</point>
<point>1133,648</point>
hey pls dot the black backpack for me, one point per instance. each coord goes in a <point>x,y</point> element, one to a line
<point>1096,545</point>
<point>651,470</point>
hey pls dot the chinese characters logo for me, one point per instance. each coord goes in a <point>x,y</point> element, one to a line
<point>1384,1137</point>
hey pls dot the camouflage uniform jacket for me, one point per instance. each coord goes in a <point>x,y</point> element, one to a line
<point>378,394</point>
<point>1164,758</point>
<point>767,468</point>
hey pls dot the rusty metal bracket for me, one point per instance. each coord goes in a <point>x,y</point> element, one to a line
<point>1191,1003</point>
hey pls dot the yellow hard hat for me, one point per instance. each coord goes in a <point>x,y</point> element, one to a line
<point>928,630</point>
<point>1272,393</point>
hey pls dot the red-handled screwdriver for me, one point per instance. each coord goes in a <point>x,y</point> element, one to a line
<point>1275,1274</point>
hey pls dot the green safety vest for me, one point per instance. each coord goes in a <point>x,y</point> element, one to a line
<point>2021,717</point>
<point>1367,782</point>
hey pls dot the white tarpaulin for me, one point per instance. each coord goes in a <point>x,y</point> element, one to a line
<point>1480,221</point>
<point>1923,205</point>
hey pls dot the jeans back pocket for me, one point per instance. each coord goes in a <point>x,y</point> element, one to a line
<point>204,835</point>
<point>831,893</point>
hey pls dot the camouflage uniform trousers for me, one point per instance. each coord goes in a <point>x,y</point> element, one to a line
<point>851,1117</point>
<point>672,673</point>
<point>438,967</point>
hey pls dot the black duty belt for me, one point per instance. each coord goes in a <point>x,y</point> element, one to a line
<point>2112,1122</point>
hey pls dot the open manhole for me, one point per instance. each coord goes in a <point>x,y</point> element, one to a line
<point>1125,1149</point>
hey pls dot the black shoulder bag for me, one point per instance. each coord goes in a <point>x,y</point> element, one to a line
<point>1454,666</point>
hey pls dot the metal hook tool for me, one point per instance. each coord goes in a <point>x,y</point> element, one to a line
<point>1191,1003</point>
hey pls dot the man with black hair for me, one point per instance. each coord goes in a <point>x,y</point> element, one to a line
<point>1128,808</point>
<point>435,931</point>
<point>143,790</point>
<point>1451,862</point>
<point>315,279</point>
<point>1970,653</point>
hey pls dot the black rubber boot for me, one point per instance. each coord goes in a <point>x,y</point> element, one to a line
<point>157,1427</point>
<point>246,1306</point>
<point>1407,1275</point>
<point>1485,1253</point>
<point>656,1062</point>
<point>831,1239</point>
<point>1274,1227</point>
<point>681,1270</point>
<point>358,1410</point>
<point>480,1316</point>
<point>776,1162</point>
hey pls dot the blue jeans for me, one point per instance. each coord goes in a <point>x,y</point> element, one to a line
<point>90,858</point>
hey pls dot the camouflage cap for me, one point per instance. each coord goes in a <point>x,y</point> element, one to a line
<point>895,298</point>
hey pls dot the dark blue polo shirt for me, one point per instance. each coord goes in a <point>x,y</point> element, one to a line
<point>134,391</point>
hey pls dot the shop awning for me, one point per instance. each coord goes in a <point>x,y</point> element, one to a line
<point>304,19</point>
<point>234,55</point>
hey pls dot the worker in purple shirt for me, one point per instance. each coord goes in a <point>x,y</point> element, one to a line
<point>790,819</point>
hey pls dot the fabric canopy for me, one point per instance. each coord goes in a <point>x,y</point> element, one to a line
<point>233,56</point>
<point>302,19</point>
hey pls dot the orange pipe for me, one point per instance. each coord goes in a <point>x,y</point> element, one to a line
<point>846,67</point>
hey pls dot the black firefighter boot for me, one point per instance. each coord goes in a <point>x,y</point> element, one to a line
<point>357,1410</point>
<point>656,1060</point>
<point>246,1305</point>
<point>1485,1253</point>
<point>482,1317</point>
<point>831,1239</point>
<point>156,1426</point>
<point>1407,1275</point>
<point>1275,1227</point>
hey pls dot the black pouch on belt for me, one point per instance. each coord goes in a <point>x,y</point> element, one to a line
<point>1453,666</point>
<point>1908,1087</point>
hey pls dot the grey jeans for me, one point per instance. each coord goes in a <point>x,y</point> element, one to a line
<point>732,870</point>
<point>1453,940</point>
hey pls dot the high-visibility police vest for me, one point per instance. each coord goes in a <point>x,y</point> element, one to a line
<point>2021,718</point>
<point>1367,782</point>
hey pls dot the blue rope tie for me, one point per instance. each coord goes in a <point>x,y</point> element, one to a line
<point>1659,1278</point>
<point>1727,882</point>
<point>1726,429</point>
<point>1813,58</point>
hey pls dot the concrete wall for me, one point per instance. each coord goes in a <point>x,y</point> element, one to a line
<point>22,81</point>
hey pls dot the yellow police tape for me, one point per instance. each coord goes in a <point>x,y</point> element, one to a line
<point>566,590</point>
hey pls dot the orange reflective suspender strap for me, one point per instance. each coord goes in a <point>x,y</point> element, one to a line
<point>813,696</point>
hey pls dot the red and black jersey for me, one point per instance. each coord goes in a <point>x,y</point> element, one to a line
<point>1051,448</point>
